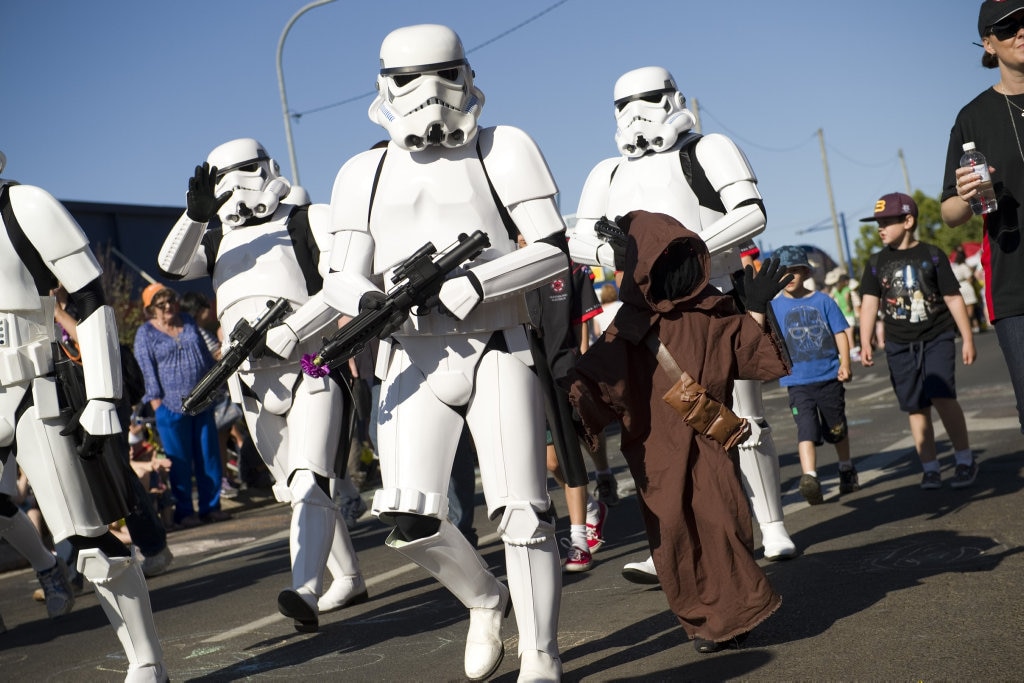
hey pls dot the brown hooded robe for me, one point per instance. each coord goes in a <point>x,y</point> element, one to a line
<point>697,515</point>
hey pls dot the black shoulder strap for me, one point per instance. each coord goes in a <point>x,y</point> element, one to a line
<point>696,178</point>
<point>307,252</point>
<point>506,219</point>
<point>376,179</point>
<point>43,278</point>
<point>211,247</point>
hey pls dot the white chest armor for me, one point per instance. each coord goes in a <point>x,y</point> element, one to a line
<point>254,264</point>
<point>411,208</point>
<point>656,183</point>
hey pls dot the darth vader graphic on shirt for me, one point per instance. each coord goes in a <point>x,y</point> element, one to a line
<point>808,336</point>
<point>909,294</point>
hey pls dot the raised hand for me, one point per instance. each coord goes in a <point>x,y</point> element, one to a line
<point>201,199</point>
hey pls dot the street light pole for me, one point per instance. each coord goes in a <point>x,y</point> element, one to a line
<point>280,85</point>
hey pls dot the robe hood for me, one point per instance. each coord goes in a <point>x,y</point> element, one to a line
<point>666,272</point>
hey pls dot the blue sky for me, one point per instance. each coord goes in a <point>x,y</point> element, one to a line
<point>117,101</point>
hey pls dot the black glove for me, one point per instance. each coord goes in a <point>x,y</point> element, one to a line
<point>761,287</point>
<point>87,445</point>
<point>202,203</point>
<point>374,300</point>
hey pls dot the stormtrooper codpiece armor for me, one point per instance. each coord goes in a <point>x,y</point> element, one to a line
<point>705,183</point>
<point>440,176</point>
<point>272,243</point>
<point>41,245</point>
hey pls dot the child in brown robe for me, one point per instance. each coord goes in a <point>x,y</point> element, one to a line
<point>697,515</point>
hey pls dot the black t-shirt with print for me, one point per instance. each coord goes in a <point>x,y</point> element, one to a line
<point>910,285</point>
<point>996,127</point>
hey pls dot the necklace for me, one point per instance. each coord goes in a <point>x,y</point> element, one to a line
<point>1014,124</point>
<point>1017,106</point>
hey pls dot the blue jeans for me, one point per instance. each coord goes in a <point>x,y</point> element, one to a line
<point>192,446</point>
<point>1010,332</point>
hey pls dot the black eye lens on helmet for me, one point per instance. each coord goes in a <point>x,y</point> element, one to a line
<point>653,99</point>
<point>449,74</point>
<point>402,80</point>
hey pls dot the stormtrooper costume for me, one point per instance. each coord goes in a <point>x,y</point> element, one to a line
<point>41,245</point>
<point>437,177</point>
<point>272,243</point>
<point>705,183</point>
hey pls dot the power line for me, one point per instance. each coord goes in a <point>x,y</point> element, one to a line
<point>298,115</point>
<point>704,110</point>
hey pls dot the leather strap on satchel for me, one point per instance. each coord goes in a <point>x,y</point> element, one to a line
<point>704,414</point>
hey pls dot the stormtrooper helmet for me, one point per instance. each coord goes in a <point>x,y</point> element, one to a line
<point>254,180</point>
<point>650,111</point>
<point>425,92</point>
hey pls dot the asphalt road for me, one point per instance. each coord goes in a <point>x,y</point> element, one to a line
<point>892,583</point>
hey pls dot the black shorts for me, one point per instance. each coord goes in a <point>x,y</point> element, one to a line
<point>819,410</point>
<point>921,371</point>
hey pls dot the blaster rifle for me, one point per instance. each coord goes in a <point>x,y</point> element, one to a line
<point>611,233</point>
<point>244,339</point>
<point>423,276</point>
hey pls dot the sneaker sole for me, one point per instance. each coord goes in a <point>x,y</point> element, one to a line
<point>577,567</point>
<point>812,494</point>
<point>640,577</point>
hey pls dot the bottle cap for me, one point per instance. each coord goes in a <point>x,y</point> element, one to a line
<point>968,146</point>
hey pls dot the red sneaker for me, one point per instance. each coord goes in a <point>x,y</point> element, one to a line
<point>595,531</point>
<point>578,560</point>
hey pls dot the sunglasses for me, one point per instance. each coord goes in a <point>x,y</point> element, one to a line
<point>1007,28</point>
<point>166,305</point>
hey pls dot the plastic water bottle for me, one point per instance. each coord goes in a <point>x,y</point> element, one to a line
<point>985,200</point>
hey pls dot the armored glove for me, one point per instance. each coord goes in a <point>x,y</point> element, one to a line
<point>201,201</point>
<point>373,300</point>
<point>761,287</point>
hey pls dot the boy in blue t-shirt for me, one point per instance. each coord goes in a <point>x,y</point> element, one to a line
<point>815,331</point>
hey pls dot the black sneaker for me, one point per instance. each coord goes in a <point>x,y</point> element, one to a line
<point>848,481</point>
<point>607,490</point>
<point>965,475</point>
<point>810,489</point>
<point>932,480</point>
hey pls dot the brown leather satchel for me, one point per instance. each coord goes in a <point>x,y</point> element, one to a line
<point>704,414</point>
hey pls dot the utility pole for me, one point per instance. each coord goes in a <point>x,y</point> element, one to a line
<point>903,165</point>
<point>280,85</point>
<point>831,200</point>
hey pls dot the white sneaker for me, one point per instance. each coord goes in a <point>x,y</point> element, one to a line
<point>57,593</point>
<point>641,572</point>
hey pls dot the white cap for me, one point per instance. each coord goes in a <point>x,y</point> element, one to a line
<point>968,146</point>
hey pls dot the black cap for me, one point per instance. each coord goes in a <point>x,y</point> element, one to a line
<point>994,11</point>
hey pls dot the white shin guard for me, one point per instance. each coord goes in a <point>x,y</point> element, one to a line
<point>535,582</point>
<point>123,594</point>
<point>456,564</point>
<point>759,465</point>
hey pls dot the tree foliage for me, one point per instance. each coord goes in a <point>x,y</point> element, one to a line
<point>930,228</point>
<point>117,288</point>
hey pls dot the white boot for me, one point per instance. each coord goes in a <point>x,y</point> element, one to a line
<point>456,564</point>
<point>347,587</point>
<point>344,592</point>
<point>777,543</point>
<point>536,666</point>
<point>121,589</point>
<point>533,567</point>
<point>641,572</point>
<point>314,518</point>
